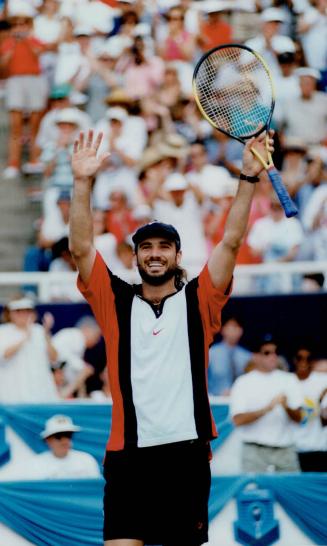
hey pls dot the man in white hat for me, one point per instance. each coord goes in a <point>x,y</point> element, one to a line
<point>305,117</point>
<point>269,39</point>
<point>183,208</point>
<point>125,142</point>
<point>61,461</point>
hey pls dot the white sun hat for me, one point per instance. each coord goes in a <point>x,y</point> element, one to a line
<point>20,304</point>
<point>175,182</point>
<point>117,113</point>
<point>68,115</point>
<point>58,423</point>
<point>273,14</point>
<point>21,8</point>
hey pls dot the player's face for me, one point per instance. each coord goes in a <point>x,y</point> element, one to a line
<point>157,260</point>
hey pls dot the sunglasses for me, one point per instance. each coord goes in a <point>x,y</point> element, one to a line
<point>60,435</point>
<point>267,352</point>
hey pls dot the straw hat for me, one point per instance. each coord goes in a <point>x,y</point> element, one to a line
<point>151,156</point>
<point>118,96</point>
<point>174,145</point>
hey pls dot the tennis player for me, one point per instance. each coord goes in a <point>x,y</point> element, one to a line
<point>157,338</point>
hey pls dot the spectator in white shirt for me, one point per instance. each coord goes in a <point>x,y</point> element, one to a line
<point>61,461</point>
<point>308,111</point>
<point>263,404</point>
<point>276,239</point>
<point>270,40</point>
<point>26,351</point>
<point>182,208</point>
<point>125,150</point>
<point>310,435</point>
<point>71,344</point>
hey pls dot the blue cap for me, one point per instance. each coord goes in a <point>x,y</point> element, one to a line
<point>157,229</point>
<point>64,195</point>
<point>267,339</point>
<point>60,91</point>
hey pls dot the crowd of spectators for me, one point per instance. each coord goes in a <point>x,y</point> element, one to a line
<point>279,404</point>
<point>124,67</point>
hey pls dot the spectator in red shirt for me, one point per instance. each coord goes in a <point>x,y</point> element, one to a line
<point>26,88</point>
<point>214,30</point>
<point>120,220</point>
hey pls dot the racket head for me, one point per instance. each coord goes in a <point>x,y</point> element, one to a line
<point>234,91</point>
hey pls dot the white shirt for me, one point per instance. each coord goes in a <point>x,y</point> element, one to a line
<point>133,136</point>
<point>311,114</point>
<point>76,464</point>
<point>70,345</point>
<point>284,234</point>
<point>212,176</point>
<point>278,41</point>
<point>45,29</point>
<point>310,435</point>
<point>252,392</point>
<point>314,40</point>
<point>26,376</point>
<point>155,342</point>
<point>53,227</point>
<point>48,132</point>
<point>106,245</point>
<point>313,206</point>
<point>71,63</point>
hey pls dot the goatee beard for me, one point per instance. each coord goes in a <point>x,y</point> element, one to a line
<point>157,280</point>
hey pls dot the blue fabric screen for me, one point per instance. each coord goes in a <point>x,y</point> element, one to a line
<point>70,512</point>
<point>28,421</point>
<point>95,419</point>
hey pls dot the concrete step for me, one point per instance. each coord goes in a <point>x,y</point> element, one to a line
<point>17,212</point>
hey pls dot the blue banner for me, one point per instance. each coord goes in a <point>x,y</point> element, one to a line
<point>95,420</point>
<point>68,512</point>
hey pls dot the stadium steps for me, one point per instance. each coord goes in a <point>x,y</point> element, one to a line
<point>17,214</point>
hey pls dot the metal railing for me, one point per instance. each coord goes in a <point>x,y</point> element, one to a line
<point>245,278</point>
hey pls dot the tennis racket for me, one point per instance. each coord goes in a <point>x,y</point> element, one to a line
<point>234,91</point>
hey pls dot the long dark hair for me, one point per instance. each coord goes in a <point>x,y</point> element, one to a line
<point>180,277</point>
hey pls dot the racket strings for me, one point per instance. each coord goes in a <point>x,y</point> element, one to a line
<point>234,90</point>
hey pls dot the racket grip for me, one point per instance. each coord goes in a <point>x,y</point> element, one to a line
<point>282,193</point>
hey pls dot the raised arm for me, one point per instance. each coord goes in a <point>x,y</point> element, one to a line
<point>222,260</point>
<point>85,165</point>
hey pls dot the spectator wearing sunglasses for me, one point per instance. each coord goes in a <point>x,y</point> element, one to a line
<point>61,461</point>
<point>264,403</point>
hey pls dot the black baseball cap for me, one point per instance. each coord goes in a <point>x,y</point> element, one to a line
<point>267,339</point>
<point>157,229</point>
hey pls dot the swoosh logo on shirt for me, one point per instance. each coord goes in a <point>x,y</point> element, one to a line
<point>156,332</point>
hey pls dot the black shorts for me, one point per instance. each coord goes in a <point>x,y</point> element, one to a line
<point>158,494</point>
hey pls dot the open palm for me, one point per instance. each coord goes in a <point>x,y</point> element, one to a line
<point>85,163</point>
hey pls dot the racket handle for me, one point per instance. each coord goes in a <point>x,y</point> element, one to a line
<point>282,193</point>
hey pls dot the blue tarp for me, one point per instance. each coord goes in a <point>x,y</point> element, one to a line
<point>69,512</point>
<point>95,419</point>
